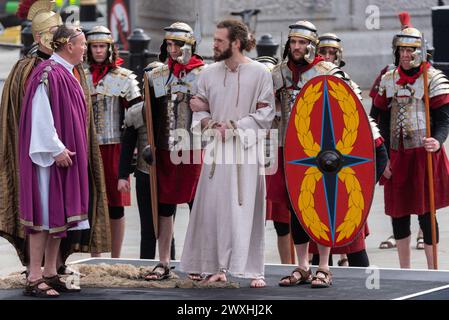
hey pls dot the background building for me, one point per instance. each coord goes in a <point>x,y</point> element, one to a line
<point>366,41</point>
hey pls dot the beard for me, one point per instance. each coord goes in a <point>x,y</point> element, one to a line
<point>223,55</point>
<point>296,60</point>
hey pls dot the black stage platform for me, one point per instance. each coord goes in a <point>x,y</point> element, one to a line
<point>349,284</point>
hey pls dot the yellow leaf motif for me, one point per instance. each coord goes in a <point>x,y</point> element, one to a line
<point>345,145</point>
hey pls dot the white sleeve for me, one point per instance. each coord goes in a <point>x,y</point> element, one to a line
<point>44,143</point>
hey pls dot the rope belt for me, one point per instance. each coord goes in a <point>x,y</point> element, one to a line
<point>231,125</point>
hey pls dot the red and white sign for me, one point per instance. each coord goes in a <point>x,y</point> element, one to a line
<point>119,22</point>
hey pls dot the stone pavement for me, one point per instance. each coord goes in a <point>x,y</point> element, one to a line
<point>379,224</point>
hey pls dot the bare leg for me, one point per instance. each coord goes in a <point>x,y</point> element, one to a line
<point>284,248</point>
<point>324,256</point>
<point>302,250</point>
<point>404,252</point>
<point>51,256</point>
<point>428,249</point>
<point>37,245</point>
<point>165,238</point>
<point>117,235</point>
<point>320,279</point>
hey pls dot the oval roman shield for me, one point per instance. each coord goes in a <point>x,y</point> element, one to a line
<point>330,161</point>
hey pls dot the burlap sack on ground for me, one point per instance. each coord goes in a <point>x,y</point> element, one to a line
<point>118,276</point>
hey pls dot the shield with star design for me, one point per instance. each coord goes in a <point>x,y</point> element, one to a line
<point>330,161</point>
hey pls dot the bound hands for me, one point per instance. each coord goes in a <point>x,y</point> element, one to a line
<point>221,127</point>
<point>123,185</point>
<point>63,159</point>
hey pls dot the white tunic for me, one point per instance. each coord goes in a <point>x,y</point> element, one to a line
<point>45,144</point>
<point>223,234</point>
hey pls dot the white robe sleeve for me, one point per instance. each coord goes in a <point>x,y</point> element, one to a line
<point>249,126</point>
<point>44,143</point>
<point>198,116</point>
<point>263,117</point>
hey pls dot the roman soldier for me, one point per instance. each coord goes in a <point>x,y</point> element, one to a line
<point>178,159</point>
<point>113,89</point>
<point>400,103</point>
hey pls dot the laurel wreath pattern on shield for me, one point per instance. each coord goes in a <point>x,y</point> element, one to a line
<point>306,202</point>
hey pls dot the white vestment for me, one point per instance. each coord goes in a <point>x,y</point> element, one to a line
<point>222,233</point>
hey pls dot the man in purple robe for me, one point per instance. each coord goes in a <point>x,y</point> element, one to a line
<point>53,165</point>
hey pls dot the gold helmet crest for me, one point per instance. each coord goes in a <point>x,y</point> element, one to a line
<point>43,20</point>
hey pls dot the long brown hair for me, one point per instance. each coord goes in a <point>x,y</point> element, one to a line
<point>237,30</point>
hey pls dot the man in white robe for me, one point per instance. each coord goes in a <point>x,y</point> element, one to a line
<point>235,99</point>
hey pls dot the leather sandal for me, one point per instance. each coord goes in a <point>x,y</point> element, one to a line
<point>388,244</point>
<point>195,276</point>
<point>343,262</point>
<point>32,290</point>
<point>420,243</point>
<point>158,274</point>
<point>304,278</point>
<point>65,270</point>
<point>324,278</point>
<point>60,285</point>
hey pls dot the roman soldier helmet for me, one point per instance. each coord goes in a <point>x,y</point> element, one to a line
<point>101,34</point>
<point>303,29</point>
<point>408,37</point>
<point>43,19</point>
<point>179,31</point>
<point>333,41</point>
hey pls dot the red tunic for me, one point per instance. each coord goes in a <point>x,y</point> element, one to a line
<point>278,201</point>
<point>176,182</point>
<point>406,192</point>
<point>357,245</point>
<point>110,154</point>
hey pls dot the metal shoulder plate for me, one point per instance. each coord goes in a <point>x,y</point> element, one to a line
<point>281,75</point>
<point>355,87</point>
<point>438,82</point>
<point>387,84</point>
<point>374,128</point>
<point>119,82</point>
<point>158,77</point>
<point>134,116</point>
<point>187,84</point>
<point>328,68</point>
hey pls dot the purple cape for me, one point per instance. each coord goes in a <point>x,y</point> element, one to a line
<point>69,189</point>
